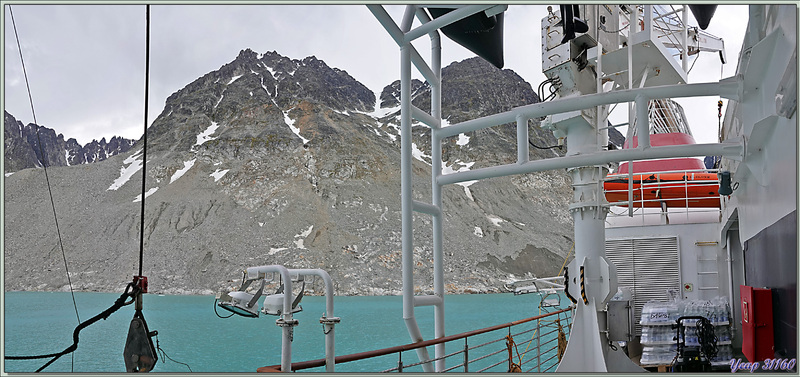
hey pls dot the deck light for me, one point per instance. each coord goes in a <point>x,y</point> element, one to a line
<point>273,304</point>
<point>240,302</point>
<point>244,304</point>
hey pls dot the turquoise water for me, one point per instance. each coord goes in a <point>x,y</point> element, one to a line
<point>190,332</point>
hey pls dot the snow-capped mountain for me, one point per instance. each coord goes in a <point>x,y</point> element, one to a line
<point>22,149</point>
<point>273,160</point>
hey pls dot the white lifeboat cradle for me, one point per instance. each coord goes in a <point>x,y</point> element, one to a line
<point>642,69</point>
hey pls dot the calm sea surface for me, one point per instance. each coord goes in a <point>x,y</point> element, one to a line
<point>190,332</point>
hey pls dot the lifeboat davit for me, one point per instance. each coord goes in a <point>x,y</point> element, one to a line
<point>664,183</point>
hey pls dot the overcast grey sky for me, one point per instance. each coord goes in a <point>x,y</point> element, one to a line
<point>86,63</point>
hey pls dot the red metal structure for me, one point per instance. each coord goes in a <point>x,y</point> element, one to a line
<point>758,336</point>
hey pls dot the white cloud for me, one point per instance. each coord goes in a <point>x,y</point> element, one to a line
<point>103,95</point>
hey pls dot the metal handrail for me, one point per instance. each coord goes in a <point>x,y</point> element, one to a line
<point>412,346</point>
<point>645,186</point>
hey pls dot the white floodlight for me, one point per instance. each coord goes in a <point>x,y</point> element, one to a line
<point>240,302</point>
<point>273,304</point>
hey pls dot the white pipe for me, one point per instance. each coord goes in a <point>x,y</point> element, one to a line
<point>436,194</point>
<point>408,18</point>
<point>330,342</point>
<point>631,116</point>
<point>730,283</point>
<point>523,149</point>
<point>642,125</point>
<point>685,40</point>
<point>406,198</point>
<point>286,314</point>
<point>602,117</point>
<point>427,208</point>
<point>407,204</point>
<point>732,150</point>
<point>427,300</point>
<point>727,88</point>
<point>424,117</point>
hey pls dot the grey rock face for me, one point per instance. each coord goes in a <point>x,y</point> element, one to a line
<point>272,160</point>
<point>22,148</point>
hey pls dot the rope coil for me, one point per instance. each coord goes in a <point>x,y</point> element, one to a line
<point>512,366</point>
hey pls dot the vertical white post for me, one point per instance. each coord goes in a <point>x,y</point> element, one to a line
<point>436,199</point>
<point>648,19</point>
<point>285,321</point>
<point>642,122</point>
<point>406,204</point>
<point>685,39</point>
<point>329,320</point>
<point>523,149</point>
<point>601,126</point>
<point>629,134</point>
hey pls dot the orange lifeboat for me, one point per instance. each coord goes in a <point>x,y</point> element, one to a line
<point>650,190</point>
<point>660,183</point>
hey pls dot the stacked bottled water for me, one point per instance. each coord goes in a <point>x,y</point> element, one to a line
<point>659,338</point>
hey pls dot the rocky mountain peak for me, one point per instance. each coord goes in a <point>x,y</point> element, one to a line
<point>274,160</point>
<point>22,149</point>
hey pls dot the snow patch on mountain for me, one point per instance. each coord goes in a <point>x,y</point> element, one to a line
<point>290,123</point>
<point>494,219</point>
<point>462,140</point>
<point>218,174</point>
<point>126,172</point>
<point>206,135</point>
<point>419,154</point>
<point>234,79</point>
<point>301,237</point>
<point>148,193</point>
<point>186,166</point>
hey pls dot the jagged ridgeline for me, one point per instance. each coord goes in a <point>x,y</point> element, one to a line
<point>272,160</point>
<point>22,149</point>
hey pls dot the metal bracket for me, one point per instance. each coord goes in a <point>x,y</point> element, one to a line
<point>286,322</point>
<point>329,321</point>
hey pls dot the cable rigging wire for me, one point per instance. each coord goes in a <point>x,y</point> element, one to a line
<point>144,137</point>
<point>134,289</point>
<point>44,165</point>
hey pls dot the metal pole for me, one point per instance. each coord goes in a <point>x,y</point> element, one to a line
<point>285,321</point>
<point>631,117</point>
<point>466,356</point>
<point>538,346</point>
<point>733,150</point>
<point>642,123</point>
<point>329,320</point>
<point>436,197</point>
<point>523,149</point>
<point>685,39</point>
<point>407,205</point>
<point>727,88</point>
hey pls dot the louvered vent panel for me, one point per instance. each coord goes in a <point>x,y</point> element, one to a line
<point>649,265</point>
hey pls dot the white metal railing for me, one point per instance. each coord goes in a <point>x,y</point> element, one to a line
<point>663,207</point>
